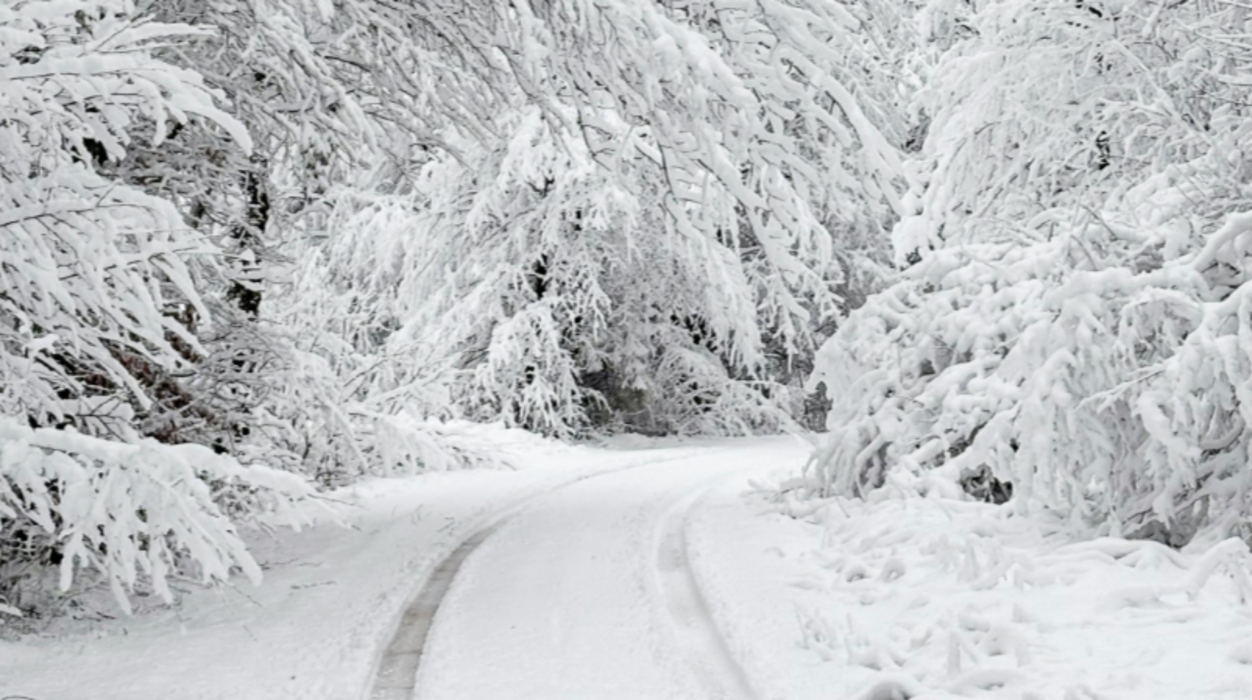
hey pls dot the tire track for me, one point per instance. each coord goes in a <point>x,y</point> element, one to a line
<point>395,672</point>
<point>396,676</point>
<point>697,634</point>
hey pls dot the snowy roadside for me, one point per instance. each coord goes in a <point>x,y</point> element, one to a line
<point>330,593</point>
<point>929,598</point>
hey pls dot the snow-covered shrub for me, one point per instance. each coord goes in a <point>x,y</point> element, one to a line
<point>135,513</point>
<point>328,398</point>
<point>314,420</point>
<point>1072,313</point>
<point>1100,363</point>
<point>1099,370</point>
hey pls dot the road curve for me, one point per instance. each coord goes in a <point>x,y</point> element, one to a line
<point>584,593</point>
<point>395,670</point>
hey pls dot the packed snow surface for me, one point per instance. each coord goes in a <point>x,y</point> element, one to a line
<point>645,570</point>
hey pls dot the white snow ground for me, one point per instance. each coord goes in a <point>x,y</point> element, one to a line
<point>931,598</point>
<point>669,580</point>
<point>331,595</point>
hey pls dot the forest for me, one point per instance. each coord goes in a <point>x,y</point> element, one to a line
<point>252,251</point>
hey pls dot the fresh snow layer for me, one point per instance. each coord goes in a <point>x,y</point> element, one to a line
<point>582,594</point>
<point>929,598</point>
<point>664,573</point>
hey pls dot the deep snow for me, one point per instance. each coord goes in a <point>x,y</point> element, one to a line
<point>612,575</point>
<point>943,598</point>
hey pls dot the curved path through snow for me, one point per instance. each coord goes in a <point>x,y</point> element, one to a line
<point>584,593</point>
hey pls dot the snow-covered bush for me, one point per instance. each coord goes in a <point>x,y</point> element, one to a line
<point>99,308</point>
<point>1108,392</point>
<point>1085,337</point>
<point>311,409</point>
<point>135,512</point>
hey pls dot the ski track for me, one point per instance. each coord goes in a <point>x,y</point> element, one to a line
<point>397,666</point>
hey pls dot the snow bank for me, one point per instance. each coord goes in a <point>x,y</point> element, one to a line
<point>941,598</point>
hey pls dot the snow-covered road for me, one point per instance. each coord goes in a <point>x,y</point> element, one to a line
<point>652,573</point>
<point>585,592</point>
<point>567,577</point>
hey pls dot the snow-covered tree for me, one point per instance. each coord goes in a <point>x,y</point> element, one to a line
<point>95,293</point>
<point>1073,317</point>
<point>94,272</point>
<point>322,90</point>
<point>663,212</point>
